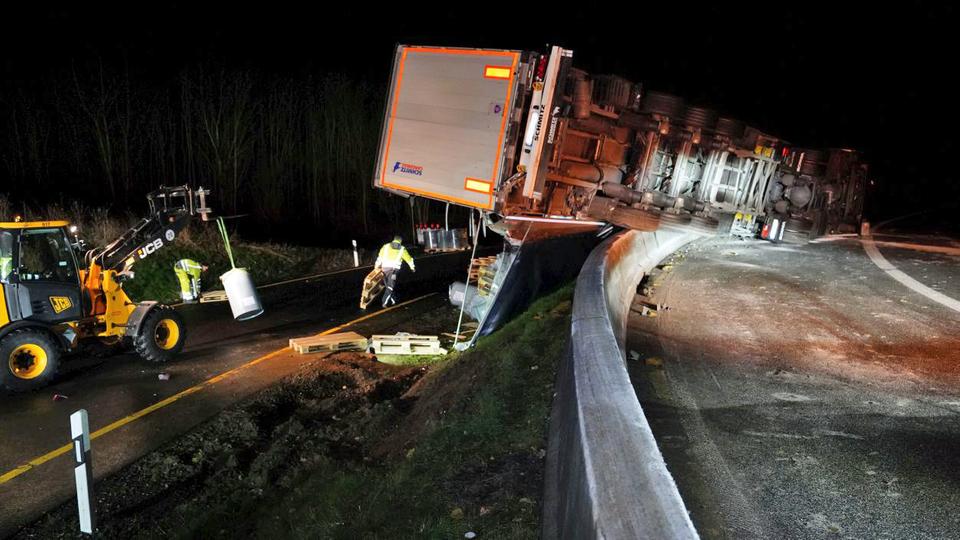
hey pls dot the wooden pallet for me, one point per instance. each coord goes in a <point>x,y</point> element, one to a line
<point>464,335</point>
<point>213,296</point>
<point>478,266</point>
<point>406,344</point>
<point>347,341</point>
<point>372,287</point>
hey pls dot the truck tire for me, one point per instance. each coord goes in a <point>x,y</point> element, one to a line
<point>162,335</point>
<point>797,231</point>
<point>30,359</point>
<point>674,222</point>
<point>704,226</point>
<point>794,237</point>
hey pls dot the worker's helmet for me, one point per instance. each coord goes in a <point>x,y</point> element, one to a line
<point>398,239</point>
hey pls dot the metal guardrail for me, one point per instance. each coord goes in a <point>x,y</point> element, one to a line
<point>605,476</point>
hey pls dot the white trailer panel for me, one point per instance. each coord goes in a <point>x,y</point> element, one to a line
<point>446,123</point>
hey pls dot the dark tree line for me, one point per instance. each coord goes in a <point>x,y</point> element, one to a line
<point>297,151</point>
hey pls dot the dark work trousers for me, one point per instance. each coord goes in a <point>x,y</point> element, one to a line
<point>389,282</point>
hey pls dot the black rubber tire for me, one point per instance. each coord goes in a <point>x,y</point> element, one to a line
<point>149,341</point>
<point>674,222</point>
<point>797,231</point>
<point>798,225</point>
<point>16,340</point>
<point>634,218</point>
<point>794,237</point>
<point>705,226</point>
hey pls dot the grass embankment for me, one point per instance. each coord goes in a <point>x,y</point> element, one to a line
<point>154,278</point>
<point>267,263</point>
<point>353,448</point>
<point>472,450</point>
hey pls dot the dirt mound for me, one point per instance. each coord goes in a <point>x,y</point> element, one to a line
<point>445,388</point>
<point>325,412</point>
<point>353,448</point>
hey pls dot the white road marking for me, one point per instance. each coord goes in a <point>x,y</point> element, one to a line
<point>878,259</point>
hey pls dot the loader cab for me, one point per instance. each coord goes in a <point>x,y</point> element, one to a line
<point>39,275</point>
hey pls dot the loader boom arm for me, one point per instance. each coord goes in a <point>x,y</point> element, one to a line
<point>171,209</point>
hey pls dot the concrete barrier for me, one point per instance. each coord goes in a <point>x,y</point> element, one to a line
<point>605,476</point>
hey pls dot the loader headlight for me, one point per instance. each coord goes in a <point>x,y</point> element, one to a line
<point>73,229</point>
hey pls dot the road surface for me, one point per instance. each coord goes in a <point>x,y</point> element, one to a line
<point>124,396</point>
<point>802,392</point>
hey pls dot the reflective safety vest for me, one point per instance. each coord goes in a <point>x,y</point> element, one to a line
<point>188,274</point>
<point>391,257</point>
<point>188,266</point>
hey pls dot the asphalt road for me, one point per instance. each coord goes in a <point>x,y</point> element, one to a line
<point>801,392</point>
<point>122,393</point>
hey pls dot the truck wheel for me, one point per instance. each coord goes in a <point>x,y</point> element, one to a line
<point>30,360</point>
<point>797,231</point>
<point>674,222</point>
<point>161,336</point>
<point>794,237</point>
<point>705,226</point>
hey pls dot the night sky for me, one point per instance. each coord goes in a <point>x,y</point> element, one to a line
<point>876,78</point>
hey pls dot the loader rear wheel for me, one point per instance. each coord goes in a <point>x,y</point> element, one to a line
<point>161,336</point>
<point>30,360</point>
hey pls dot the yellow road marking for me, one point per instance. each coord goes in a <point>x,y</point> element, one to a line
<point>36,462</point>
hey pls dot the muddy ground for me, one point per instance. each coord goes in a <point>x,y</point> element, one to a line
<point>352,447</point>
<point>331,410</point>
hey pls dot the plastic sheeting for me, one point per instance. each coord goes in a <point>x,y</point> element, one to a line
<point>541,263</point>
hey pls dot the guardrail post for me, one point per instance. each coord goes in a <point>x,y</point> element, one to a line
<point>83,472</point>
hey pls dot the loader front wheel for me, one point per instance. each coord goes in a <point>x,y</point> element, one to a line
<point>161,335</point>
<point>30,360</point>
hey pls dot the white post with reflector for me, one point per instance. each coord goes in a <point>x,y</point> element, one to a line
<point>83,472</point>
<point>356,257</point>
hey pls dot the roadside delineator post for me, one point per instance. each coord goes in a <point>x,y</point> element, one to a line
<point>356,258</point>
<point>83,472</point>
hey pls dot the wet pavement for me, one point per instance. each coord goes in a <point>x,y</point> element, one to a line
<point>800,392</point>
<point>113,388</point>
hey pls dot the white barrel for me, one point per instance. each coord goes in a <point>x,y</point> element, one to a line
<point>244,302</point>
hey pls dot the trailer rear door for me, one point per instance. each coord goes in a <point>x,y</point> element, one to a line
<point>446,123</point>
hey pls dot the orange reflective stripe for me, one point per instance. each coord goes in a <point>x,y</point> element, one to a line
<point>497,72</point>
<point>480,186</point>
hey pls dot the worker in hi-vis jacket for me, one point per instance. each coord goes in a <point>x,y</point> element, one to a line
<point>188,274</point>
<point>391,257</point>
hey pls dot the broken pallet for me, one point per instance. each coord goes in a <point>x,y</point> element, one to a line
<point>406,344</point>
<point>372,287</point>
<point>347,341</point>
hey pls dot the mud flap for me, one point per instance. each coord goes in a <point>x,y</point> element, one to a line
<point>136,318</point>
<point>542,262</point>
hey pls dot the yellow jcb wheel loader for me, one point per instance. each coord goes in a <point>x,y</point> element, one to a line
<point>50,303</point>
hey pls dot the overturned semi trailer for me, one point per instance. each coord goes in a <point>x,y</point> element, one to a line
<point>468,127</point>
<point>548,154</point>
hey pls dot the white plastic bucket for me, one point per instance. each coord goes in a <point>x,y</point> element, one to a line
<point>244,302</point>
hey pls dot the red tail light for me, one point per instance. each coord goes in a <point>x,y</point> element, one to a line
<point>541,68</point>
